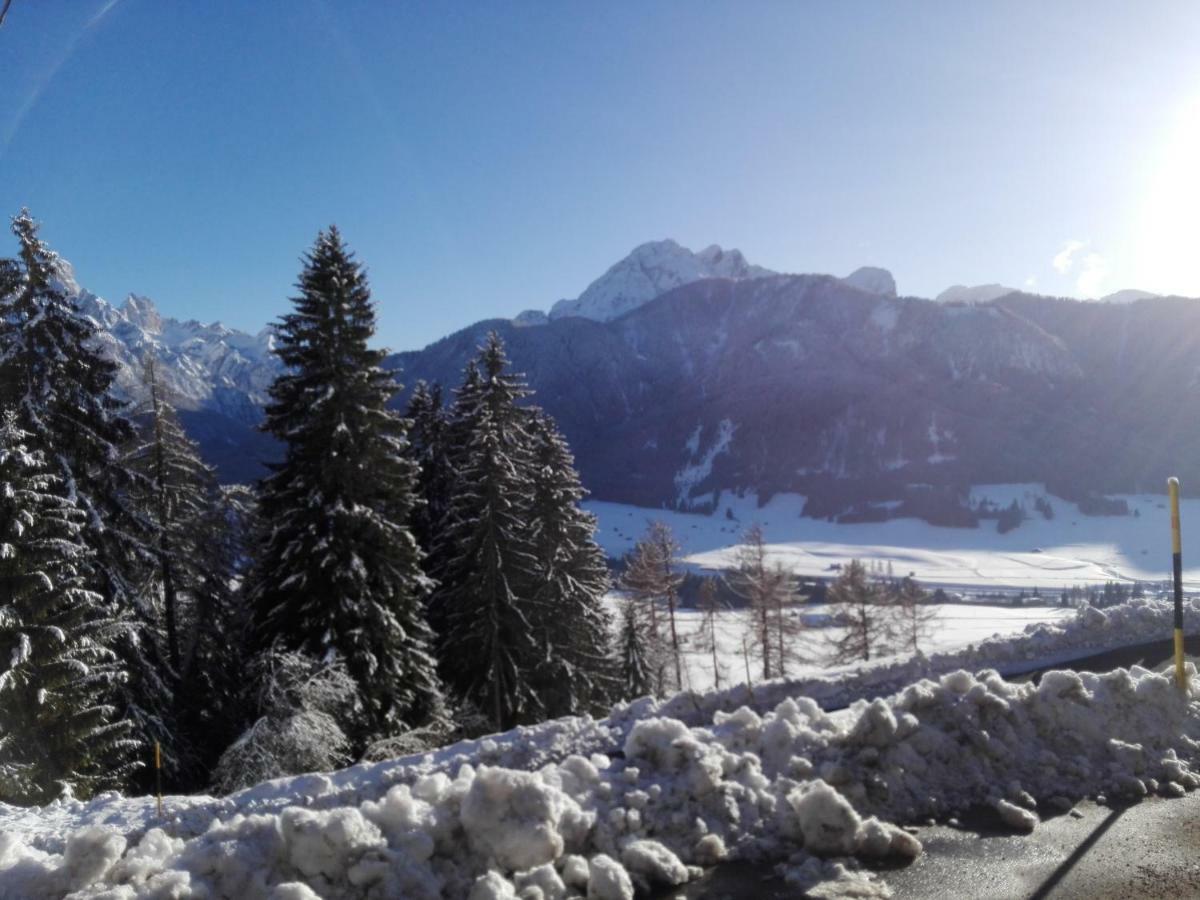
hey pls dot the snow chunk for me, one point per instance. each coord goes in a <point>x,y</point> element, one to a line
<point>492,886</point>
<point>90,853</point>
<point>827,821</point>
<point>654,863</point>
<point>663,743</point>
<point>514,817</point>
<point>608,880</point>
<point>327,843</point>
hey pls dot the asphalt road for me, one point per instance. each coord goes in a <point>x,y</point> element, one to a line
<point>1150,850</point>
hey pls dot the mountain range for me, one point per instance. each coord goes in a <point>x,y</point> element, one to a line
<point>678,375</point>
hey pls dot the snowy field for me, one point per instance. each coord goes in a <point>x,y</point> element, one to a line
<point>579,808</point>
<point>1048,554</point>
<point>957,625</point>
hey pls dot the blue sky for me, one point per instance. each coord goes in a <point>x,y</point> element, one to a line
<point>489,157</point>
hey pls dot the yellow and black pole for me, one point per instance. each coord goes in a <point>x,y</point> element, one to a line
<point>1177,571</point>
<point>158,777</point>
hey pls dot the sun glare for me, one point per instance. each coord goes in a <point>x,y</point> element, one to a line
<point>1167,236</point>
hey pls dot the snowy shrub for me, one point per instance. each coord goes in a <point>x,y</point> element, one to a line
<point>297,730</point>
<point>413,741</point>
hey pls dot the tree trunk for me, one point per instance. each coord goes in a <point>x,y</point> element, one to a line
<point>169,608</point>
<point>674,639</point>
<point>712,628</point>
<point>764,636</point>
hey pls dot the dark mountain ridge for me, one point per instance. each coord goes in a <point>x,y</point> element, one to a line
<point>870,405</point>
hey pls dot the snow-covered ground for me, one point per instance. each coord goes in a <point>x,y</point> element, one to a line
<point>1049,554</point>
<point>576,807</point>
<point>956,626</point>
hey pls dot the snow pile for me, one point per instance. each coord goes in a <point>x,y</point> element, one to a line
<point>813,790</point>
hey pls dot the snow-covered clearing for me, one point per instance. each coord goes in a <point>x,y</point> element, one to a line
<point>957,625</point>
<point>1050,554</point>
<point>576,808</point>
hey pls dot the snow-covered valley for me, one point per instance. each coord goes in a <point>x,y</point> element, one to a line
<point>1045,554</point>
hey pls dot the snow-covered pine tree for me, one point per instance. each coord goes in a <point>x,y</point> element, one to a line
<point>338,571</point>
<point>59,382</point>
<point>429,424</point>
<point>571,580</point>
<point>484,605</point>
<point>635,664</point>
<point>59,728</point>
<point>55,377</point>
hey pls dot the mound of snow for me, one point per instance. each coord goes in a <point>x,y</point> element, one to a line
<point>813,790</point>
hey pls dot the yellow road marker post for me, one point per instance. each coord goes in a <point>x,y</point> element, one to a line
<point>1181,678</point>
<point>158,777</point>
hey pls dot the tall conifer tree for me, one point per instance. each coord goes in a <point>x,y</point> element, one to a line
<point>57,380</point>
<point>338,570</point>
<point>59,729</point>
<point>59,383</point>
<point>429,447</point>
<point>570,582</point>
<point>484,606</point>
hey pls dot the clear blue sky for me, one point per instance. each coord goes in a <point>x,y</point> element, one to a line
<point>488,157</point>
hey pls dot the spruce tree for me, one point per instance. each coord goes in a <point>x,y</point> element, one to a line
<point>59,730</point>
<point>484,605</point>
<point>570,581</point>
<point>428,436</point>
<point>60,384</point>
<point>635,664</point>
<point>339,570</point>
<point>57,380</point>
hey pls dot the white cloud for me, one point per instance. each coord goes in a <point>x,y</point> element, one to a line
<point>1092,275</point>
<point>1031,281</point>
<point>1065,258</point>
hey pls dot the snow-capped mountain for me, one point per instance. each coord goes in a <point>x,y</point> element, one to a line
<point>206,367</point>
<point>218,376</point>
<point>650,271</point>
<point>980,293</point>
